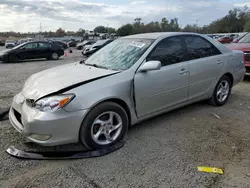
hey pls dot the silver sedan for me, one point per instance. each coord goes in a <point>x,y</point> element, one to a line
<point>131,79</point>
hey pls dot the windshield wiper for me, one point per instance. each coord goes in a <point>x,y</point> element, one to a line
<point>93,65</point>
<point>82,61</point>
<point>97,66</point>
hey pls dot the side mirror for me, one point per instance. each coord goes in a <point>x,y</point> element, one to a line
<point>150,65</point>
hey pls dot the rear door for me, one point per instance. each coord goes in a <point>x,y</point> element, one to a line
<point>206,65</point>
<point>158,90</point>
<point>44,49</point>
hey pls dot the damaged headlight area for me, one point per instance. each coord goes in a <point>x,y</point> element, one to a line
<point>53,103</point>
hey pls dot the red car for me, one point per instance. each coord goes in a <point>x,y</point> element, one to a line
<point>226,39</point>
<point>243,45</point>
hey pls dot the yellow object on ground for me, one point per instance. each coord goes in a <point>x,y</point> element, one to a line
<point>210,170</point>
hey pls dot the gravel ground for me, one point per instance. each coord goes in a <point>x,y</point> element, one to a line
<point>161,152</point>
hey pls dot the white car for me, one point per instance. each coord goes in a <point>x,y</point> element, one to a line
<point>10,44</point>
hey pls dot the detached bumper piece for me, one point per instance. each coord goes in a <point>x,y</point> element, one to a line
<point>4,114</point>
<point>62,155</point>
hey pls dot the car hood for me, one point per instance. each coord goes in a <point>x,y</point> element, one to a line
<point>58,78</point>
<point>239,46</point>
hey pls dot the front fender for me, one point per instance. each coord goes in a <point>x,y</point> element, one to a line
<point>118,86</point>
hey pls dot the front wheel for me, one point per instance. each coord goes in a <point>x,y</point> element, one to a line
<point>222,91</point>
<point>104,125</point>
<point>13,59</point>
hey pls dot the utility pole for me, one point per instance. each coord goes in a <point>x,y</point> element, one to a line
<point>196,26</point>
<point>41,28</point>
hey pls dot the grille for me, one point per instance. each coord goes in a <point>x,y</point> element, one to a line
<point>247,56</point>
<point>18,116</point>
<point>247,69</point>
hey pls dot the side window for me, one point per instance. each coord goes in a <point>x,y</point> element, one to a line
<point>198,47</point>
<point>168,51</point>
<point>30,46</point>
<point>43,45</point>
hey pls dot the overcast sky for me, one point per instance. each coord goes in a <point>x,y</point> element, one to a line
<point>26,15</point>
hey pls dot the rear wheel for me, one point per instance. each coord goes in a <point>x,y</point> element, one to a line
<point>104,125</point>
<point>13,59</point>
<point>54,56</point>
<point>222,91</point>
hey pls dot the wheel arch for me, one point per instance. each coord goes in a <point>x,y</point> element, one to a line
<point>14,54</point>
<point>230,76</point>
<point>121,103</point>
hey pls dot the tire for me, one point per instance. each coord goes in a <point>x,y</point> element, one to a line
<point>97,120</point>
<point>13,59</point>
<point>220,99</point>
<point>54,56</point>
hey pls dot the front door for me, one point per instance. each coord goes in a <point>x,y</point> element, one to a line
<point>206,65</point>
<point>28,51</point>
<point>157,90</point>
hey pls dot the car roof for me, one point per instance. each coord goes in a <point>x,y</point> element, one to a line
<point>58,41</point>
<point>158,35</point>
<point>37,41</point>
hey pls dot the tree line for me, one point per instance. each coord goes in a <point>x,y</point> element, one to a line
<point>237,20</point>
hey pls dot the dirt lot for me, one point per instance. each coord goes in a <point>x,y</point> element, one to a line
<point>162,152</point>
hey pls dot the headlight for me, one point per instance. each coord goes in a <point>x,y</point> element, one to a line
<point>53,103</point>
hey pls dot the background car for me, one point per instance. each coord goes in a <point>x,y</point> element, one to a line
<point>2,43</point>
<point>72,43</point>
<point>32,50</point>
<point>81,45</point>
<point>243,45</point>
<point>236,40</point>
<point>225,39</point>
<point>10,44</point>
<point>96,46</point>
<point>86,48</point>
<point>60,43</point>
<point>21,41</point>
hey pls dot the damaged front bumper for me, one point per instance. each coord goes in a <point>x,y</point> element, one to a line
<point>45,128</point>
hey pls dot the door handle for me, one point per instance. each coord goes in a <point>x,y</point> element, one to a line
<point>220,62</point>
<point>183,71</point>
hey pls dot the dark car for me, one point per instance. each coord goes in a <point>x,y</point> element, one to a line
<point>81,45</point>
<point>32,50</point>
<point>72,43</point>
<point>2,43</point>
<point>60,43</point>
<point>95,47</point>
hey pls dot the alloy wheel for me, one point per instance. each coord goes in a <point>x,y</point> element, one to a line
<point>106,128</point>
<point>54,56</point>
<point>223,91</point>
